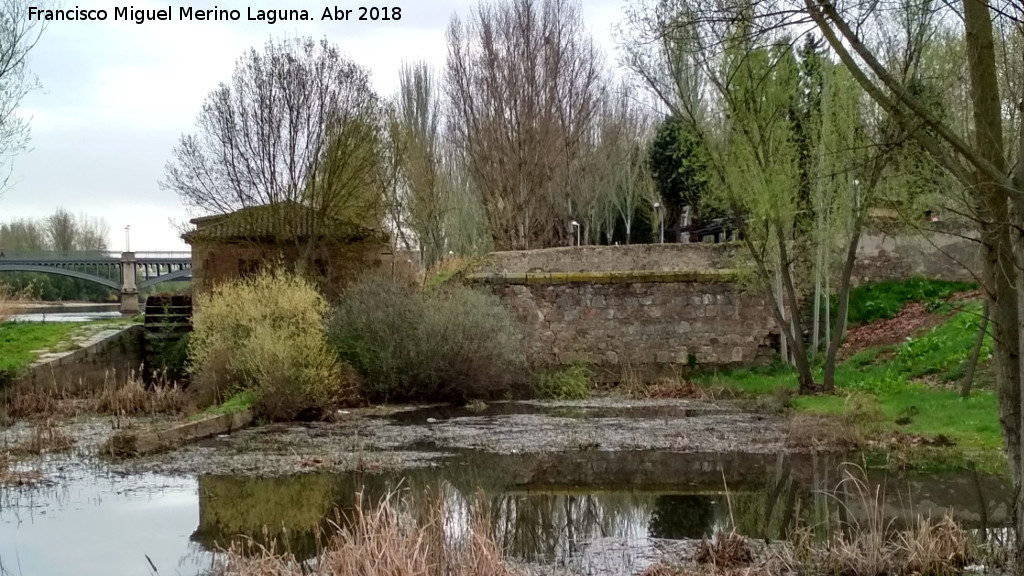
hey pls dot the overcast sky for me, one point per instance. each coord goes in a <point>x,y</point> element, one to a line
<point>117,96</point>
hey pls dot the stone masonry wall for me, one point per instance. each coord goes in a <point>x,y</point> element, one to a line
<point>636,257</point>
<point>665,305</point>
<point>107,357</point>
<point>641,320</point>
<point>939,254</point>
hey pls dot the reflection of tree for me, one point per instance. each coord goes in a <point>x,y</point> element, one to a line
<point>677,516</point>
<point>554,527</point>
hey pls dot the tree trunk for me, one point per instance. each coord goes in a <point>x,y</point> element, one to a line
<point>816,326</point>
<point>795,336</point>
<point>785,327</point>
<point>1016,458</point>
<point>780,305</point>
<point>997,246</point>
<point>972,363</point>
<point>839,333</point>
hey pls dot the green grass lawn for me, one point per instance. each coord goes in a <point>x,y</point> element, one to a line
<point>881,300</point>
<point>18,340</point>
<point>912,387</point>
<point>241,401</point>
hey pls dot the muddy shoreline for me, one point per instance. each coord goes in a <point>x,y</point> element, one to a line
<point>602,486</point>
<point>411,437</point>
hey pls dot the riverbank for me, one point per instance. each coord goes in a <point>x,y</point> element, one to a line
<point>24,342</point>
<point>601,486</point>
<point>898,391</point>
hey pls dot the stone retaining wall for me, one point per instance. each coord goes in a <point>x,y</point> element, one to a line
<point>633,258</point>
<point>106,355</point>
<point>940,254</point>
<point>641,320</point>
<point>670,305</point>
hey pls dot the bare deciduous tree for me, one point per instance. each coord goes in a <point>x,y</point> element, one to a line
<point>61,231</point>
<point>18,35</point>
<point>523,79</point>
<point>617,171</point>
<point>296,131</point>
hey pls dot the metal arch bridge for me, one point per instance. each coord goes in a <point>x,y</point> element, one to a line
<point>127,272</point>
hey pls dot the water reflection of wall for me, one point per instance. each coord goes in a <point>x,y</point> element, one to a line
<point>540,509</point>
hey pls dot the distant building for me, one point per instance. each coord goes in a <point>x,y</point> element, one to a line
<point>241,243</point>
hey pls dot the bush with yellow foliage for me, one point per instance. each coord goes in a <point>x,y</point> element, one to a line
<point>266,335</point>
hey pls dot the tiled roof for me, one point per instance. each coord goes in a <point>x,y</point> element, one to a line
<point>273,223</point>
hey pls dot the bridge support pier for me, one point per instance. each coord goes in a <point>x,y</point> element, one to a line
<point>112,270</point>
<point>129,287</point>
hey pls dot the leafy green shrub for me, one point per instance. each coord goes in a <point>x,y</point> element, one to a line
<point>171,357</point>
<point>266,335</point>
<point>882,300</point>
<point>448,343</point>
<point>571,383</point>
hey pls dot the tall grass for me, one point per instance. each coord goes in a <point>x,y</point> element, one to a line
<point>867,544</point>
<point>118,396</point>
<point>384,540</point>
<point>861,539</point>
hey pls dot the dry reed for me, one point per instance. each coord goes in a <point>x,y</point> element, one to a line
<point>46,438</point>
<point>10,302</point>
<point>870,546</point>
<point>679,388</point>
<point>116,397</point>
<point>383,540</point>
<point>935,548</point>
<point>725,550</point>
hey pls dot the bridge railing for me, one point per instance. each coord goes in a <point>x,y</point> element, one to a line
<point>91,255</point>
<point>60,255</point>
<point>165,254</point>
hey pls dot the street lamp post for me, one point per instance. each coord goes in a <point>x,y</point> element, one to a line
<point>574,225</point>
<point>127,242</point>
<point>661,223</point>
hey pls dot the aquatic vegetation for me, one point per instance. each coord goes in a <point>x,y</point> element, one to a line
<point>569,383</point>
<point>45,438</point>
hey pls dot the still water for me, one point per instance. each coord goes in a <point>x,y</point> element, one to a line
<point>64,316</point>
<point>77,312</point>
<point>91,523</point>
